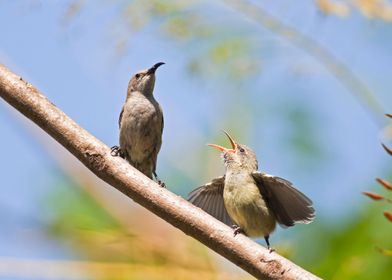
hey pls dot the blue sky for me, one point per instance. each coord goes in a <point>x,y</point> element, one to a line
<point>76,67</point>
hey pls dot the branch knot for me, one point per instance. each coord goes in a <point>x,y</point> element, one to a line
<point>95,160</point>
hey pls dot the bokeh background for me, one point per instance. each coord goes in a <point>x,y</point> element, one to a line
<point>304,83</point>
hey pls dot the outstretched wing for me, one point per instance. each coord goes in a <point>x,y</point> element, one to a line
<point>209,197</point>
<point>289,205</point>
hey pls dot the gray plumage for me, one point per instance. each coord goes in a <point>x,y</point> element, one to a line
<point>254,201</point>
<point>141,123</point>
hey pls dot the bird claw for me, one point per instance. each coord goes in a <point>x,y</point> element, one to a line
<point>116,151</point>
<point>268,244</point>
<point>237,230</point>
<point>162,184</point>
<point>270,249</point>
<point>159,181</point>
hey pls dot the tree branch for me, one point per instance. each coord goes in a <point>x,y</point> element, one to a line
<point>95,155</point>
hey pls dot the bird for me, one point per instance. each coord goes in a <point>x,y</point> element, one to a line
<point>141,124</point>
<point>250,201</point>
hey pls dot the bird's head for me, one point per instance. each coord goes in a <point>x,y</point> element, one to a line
<point>144,80</point>
<point>238,157</point>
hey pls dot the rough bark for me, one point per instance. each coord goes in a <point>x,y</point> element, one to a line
<point>95,155</point>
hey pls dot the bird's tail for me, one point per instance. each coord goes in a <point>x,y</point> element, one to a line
<point>144,167</point>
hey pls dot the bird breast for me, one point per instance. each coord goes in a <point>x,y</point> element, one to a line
<point>141,127</point>
<point>246,206</point>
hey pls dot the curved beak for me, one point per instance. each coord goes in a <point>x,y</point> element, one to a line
<point>223,149</point>
<point>154,68</point>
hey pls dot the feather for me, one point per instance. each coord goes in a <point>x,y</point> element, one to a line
<point>288,204</point>
<point>209,197</point>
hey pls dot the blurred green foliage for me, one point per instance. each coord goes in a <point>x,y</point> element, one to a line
<point>145,247</point>
<point>348,249</point>
<point>343,250</point>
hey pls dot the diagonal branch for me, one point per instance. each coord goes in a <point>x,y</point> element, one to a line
<point>95,155</point>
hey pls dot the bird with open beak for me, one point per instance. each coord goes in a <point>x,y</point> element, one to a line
<point>141,124</point>
<point>248,200</point>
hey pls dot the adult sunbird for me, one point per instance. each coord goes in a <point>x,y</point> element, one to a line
<point>141,124</point>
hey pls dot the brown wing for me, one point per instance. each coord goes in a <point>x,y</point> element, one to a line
<point>120,117</point>
<point>163,121</point>
<point>289,205</point>
<point>156,151</point>
<point>209,197</point>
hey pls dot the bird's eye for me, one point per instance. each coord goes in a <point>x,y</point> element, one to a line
<point>242,150</point>
<point>137,76</point>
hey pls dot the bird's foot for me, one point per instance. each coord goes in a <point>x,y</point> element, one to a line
<point>116,151</point>
<point>162,184</point>
<point>159,181</point>
<point>237,230</point>
<point>268,244</point>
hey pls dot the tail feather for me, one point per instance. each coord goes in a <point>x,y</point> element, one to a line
<point>145,167</point>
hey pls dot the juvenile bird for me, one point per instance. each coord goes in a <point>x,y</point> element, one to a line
<point>254,201</point>
<point>141,124</point>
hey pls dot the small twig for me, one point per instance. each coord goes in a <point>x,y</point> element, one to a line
<point>389,151</point>
<point>377,197</point>
<point>384,183</point>
<point>388,215</point>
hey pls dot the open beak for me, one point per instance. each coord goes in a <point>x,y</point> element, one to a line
<point>154,68</point>
<point>223,149</point>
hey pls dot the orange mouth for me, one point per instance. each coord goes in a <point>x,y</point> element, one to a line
<point>223,149</point>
